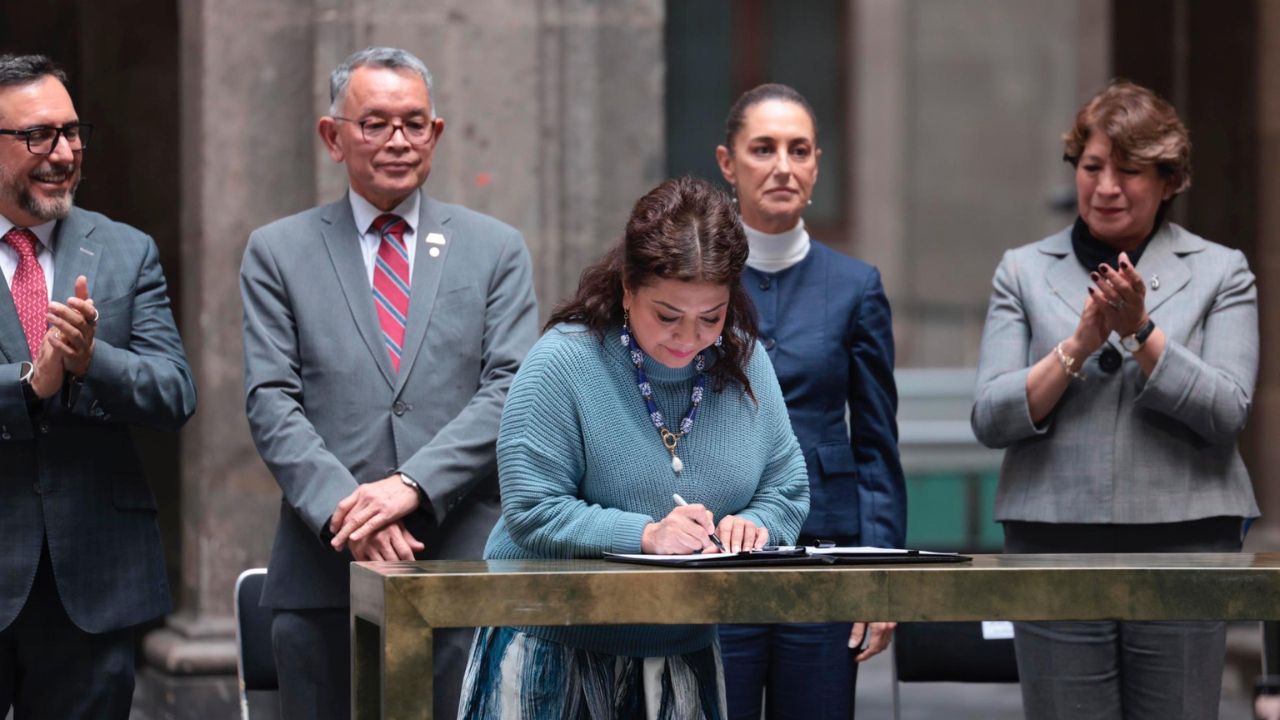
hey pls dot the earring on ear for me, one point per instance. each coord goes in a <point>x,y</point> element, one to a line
<point>810,201</point>
<point>719,340</point>
<point>626,327</point>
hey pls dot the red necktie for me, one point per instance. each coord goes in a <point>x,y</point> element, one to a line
<point>30,294</point>
<point>391,283</point>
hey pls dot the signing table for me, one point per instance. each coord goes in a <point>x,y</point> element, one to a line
<point>395,606</point>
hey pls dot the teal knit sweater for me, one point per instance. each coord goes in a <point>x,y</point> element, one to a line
<point>583,470</point>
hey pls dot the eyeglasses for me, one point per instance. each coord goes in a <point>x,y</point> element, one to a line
<point>42,140</point>
<point>378,131</point>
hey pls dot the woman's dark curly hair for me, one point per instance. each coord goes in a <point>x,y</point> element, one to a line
<point>685,229</point>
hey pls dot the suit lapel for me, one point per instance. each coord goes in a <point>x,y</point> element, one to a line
<point>341,240</point>
<point>1162,259</point>
<point>13,341</point>
<point>433,218</point>
<point>75,253</point>
<point>1161,264</point>
<point>1066,277</point>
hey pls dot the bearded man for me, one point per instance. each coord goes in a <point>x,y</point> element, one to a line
<point>88,348</point>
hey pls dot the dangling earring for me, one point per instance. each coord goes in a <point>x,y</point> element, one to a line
<point>719,340</point>
<point>626,328</point>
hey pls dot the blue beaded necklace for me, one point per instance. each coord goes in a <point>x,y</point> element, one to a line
<point>669,439</point>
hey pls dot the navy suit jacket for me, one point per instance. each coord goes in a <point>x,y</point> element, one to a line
<point>72,475</point>
<point>826,325</point>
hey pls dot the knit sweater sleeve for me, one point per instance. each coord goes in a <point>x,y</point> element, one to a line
<point>541,461</point>
<point>781,500</point>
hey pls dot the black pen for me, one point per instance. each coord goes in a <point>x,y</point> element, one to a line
<point>715,540</point>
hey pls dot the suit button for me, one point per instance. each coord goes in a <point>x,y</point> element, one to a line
<point>769,343</point>
<point>765,283</point>
<point>44,428</point>
<point>399,408</point>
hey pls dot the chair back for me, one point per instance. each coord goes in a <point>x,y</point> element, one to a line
<point>255,662</point>
<point>952,652</point>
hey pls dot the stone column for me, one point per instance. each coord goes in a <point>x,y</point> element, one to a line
<point>957,112</point>
<point>552,109</point>
<point>246,129</point>
<point>877,104</point>
<point>554,124</point>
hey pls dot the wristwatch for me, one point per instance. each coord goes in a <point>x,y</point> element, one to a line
<point>1133,343</point>
<point>34,403</point>
<point>410,482</point>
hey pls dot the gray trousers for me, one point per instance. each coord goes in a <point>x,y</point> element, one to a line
<point>1121,670</point>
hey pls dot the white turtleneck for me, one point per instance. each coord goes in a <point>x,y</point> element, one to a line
<point>775,253</point>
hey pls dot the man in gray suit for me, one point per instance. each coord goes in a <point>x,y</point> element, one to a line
<point>88,348</point>
<point>381,333</point>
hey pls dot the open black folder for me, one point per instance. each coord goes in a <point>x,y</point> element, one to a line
<point>794,555</point>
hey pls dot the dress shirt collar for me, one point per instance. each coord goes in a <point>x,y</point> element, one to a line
<point>365,213</point>
<point>43,232</point>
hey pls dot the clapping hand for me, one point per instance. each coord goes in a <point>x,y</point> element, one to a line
<point>1123,293</point>
<point>46,378</point>
<point>72,327</point>
<point>1092,330</point>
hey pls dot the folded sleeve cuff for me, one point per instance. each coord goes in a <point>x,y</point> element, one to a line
<point>1002,415</point>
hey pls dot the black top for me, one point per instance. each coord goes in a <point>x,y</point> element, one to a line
<point>1092,252</point>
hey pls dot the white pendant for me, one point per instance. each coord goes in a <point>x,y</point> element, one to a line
<point>676,464</point>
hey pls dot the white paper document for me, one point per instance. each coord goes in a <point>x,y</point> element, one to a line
<point>783,551</point>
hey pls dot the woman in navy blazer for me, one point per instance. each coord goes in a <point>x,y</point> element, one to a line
<point>825,323</point>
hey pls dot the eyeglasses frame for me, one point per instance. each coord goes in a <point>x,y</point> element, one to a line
<point>394,127</point>
<point>83,129</point>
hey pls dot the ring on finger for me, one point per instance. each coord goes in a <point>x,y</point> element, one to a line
<point>1114,305</point>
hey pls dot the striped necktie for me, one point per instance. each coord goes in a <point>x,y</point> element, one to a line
<point>391,283</point>
<point>30,294</point>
